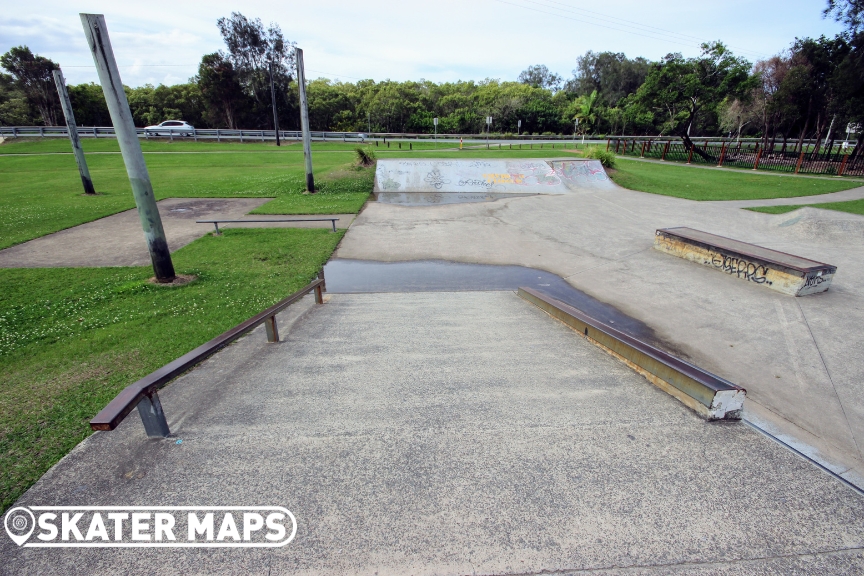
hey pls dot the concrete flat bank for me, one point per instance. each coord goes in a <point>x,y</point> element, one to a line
<point>453,433</point>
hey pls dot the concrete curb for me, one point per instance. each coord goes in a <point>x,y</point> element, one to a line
<point>708,395</point>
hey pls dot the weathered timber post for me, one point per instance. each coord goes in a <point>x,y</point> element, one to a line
<point>127,137</point>
<point>273,101</point>
<point>758,156</point>
<point>72,129</point>
<point>608,142</point>
<point>643,150</point>
<point>722,155</point>
<point>665,150</point>
<point>800,160</point>
<point>842,165</point>
<point>304,120</point>
<point>690,156</point>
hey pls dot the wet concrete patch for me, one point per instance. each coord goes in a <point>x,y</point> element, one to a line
<point>346,276</point>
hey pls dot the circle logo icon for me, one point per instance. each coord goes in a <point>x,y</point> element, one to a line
<point>19,524</point>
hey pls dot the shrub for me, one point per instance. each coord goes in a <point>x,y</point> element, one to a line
<point>365,156</point>
<point>598,153</point>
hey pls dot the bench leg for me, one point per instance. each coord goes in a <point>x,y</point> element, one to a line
<point>150,409</point>
<point>272,329</point>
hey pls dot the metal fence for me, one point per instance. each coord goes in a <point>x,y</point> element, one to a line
<point>833,161</point>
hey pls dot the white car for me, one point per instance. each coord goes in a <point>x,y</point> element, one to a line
<point>171,127</point>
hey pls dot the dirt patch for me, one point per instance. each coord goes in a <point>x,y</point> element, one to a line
<point>179,280</point>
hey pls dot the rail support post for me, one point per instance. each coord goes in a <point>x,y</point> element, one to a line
<point>319,295</point>
<point>272,329</point>
<point>150,410</point>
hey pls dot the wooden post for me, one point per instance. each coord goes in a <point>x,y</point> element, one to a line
<point>842,165</point>
<point>608,142</point>
<point>617,145</point>
<point>72,129</point>
<point>127,137</point>
<point>722,155</point>
<point>304,120</point>
<point>758,156</point>
<point>643,150</point>
<point>800,160</point>
<point>690,156</point>
<point>665,150</point>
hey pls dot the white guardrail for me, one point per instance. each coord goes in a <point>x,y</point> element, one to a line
<point>265,135</point>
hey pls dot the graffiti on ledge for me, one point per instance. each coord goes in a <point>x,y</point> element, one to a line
<point>741,268</point>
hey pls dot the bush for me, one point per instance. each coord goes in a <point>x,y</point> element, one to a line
<point>365,156</point>
<point>606,158</point>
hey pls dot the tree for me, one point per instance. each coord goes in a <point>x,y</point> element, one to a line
<point>88,105</point>
<point>14,109</point>
<point>33,77</point>
<point>221,90</point>
<point>611,74</point>
<point>539,76</point>
<point>686,89</point>
<point>251,51</point>
<point>586,111</point>
<point>849,12</point>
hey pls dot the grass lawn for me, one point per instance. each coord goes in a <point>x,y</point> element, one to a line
<point>852,206</point>
<point>705,184</point>
<point>71,338</point>
<point>40,190</point>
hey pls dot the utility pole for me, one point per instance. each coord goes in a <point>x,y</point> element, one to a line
<point>518,127</point>
<point>127,137</point>
<point>435,122</point>
<point>72,129</point>
<point>304,121</point>
<point>273,100</point>
<point>488,127</point>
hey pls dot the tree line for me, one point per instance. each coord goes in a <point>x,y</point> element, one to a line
<point>812,90</point>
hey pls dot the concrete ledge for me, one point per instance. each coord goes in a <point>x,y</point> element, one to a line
<point>708,395</point>
<point>779,271</point>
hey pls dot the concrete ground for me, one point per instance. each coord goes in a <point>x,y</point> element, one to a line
<point>801,359</point>
<point>453,433</point>
<point>117,240</point>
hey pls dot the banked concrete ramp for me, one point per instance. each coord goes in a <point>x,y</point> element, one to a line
<point>446,181</point>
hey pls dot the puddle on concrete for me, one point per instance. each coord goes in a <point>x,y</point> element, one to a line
<point>369,276</point>
<point>438,198</point>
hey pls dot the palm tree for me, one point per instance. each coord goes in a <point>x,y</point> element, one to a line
<point>585,112</point>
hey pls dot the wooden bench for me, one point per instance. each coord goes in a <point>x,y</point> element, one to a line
<point>779,271</point>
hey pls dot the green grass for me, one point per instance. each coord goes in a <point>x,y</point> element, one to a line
<point>852,206</point>
<point>71,338</point>
<point>40,191</point>
<point>705,184</point>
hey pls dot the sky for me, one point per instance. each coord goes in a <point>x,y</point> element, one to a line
<point>162,41</point>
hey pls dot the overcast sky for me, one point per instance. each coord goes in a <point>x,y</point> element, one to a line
<point>162,41</point>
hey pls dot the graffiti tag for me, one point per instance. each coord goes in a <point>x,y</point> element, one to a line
<point>741,268</point>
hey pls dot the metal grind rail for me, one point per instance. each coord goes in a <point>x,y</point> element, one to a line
<point>143,393</point>
<point>217,222</point>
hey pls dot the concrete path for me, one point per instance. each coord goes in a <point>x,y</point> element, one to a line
<point>842,196</point>
<point>801,359</point>
<point>118,240</point>
<point>453,433</point>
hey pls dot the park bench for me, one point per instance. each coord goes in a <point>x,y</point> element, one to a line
<point>779,271</point>
<point>217,222</point>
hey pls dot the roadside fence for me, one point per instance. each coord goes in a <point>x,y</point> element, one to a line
<point>832,161</point>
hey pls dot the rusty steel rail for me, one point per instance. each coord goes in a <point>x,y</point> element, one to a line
<point>142,394</point>
<point>217,222</point>
<point>708,395</point>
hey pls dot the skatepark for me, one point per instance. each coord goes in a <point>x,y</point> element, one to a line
<point>426,418</point>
